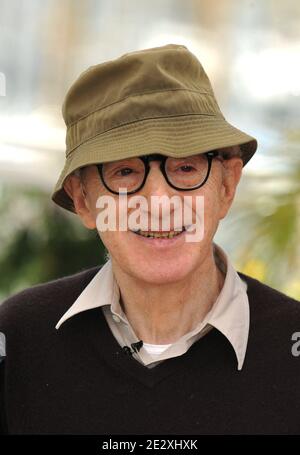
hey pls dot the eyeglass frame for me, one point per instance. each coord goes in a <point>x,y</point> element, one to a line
<point>162,158</point>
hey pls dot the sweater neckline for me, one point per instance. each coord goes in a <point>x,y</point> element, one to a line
<point>205,350</point>
<point>91,328</point>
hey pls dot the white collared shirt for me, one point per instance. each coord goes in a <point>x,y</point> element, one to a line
<point>229,314</point>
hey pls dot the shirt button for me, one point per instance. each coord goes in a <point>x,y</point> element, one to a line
<point>116,318</point>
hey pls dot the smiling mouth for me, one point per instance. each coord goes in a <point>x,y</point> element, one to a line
<point>160,234</point>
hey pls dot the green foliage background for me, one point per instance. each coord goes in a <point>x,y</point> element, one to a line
<point>40,242</point>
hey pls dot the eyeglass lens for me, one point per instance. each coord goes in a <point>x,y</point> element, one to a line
<point>182,173</point>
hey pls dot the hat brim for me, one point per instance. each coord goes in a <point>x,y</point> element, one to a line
<point>177,137</point>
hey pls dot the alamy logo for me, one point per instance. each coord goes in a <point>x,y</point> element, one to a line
<point>2,347</point>
<point>160,214</point>
<point>296,346</point>
<point>2,84</point>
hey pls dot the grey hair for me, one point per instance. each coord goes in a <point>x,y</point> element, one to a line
<point>106,255</point>
<point>230,152</point>
<point>78,172</point>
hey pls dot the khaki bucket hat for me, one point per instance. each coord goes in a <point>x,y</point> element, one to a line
<point>156,100</point>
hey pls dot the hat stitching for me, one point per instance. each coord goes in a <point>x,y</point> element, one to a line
<point>137,94</point>
<point>136,121</point>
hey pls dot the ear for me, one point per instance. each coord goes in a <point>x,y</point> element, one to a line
<point>232,172</point>
<point>74,188</point>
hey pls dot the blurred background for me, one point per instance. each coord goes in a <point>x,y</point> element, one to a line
<point>251,52</point>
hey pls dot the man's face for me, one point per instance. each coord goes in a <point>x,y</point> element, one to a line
<point>157,260</point>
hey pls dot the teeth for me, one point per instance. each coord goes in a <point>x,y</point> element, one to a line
<point>157,235</point>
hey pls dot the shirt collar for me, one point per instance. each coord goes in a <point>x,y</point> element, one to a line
<point>101,290</point>
<point>229,314</point>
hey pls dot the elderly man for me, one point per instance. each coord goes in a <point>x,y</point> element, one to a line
<point>166,337</point>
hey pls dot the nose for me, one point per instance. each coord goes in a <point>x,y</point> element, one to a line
<point>161,215</point>
<point>156,184</point>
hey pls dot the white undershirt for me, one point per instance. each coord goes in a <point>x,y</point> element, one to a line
<point>155,349</point>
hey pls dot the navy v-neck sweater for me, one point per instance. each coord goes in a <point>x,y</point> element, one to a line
<point>77,380</point>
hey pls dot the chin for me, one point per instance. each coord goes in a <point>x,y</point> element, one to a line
<point>161,270</point>
<point>157,262</point>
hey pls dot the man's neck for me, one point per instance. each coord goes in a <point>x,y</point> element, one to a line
<point>161,314</point>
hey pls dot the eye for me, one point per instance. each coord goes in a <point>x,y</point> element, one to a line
<point>186,168</point>
<point>125,171</point>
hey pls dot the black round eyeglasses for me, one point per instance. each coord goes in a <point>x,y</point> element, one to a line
<point>183,174</point>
